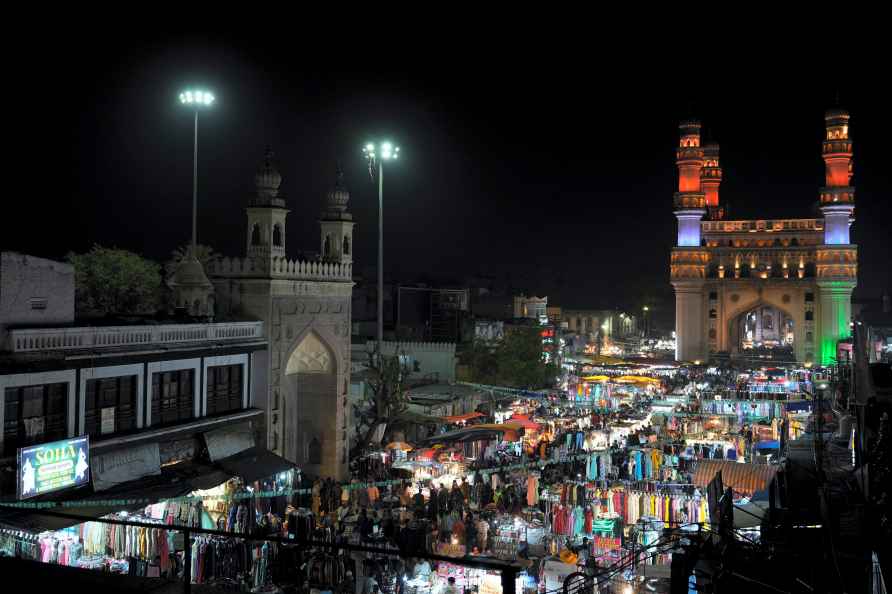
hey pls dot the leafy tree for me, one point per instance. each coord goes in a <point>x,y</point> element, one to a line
<point>516,361</point>
<point>387,400</point>
<point>110,281</point>
<point>204,253</point>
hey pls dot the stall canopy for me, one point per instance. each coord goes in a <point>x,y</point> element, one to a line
<point>254,464</point>
<point>637,379</point>
<point>525,422</point>
<point>463,418</point>
<point>747,479</point>
<point>509,431</point>
<point>174,481</point>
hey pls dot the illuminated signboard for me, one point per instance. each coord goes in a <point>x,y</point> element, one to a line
<point>53,466</point>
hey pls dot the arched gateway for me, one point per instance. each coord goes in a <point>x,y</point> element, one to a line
<point>774,288</point>
<point>305,306</point>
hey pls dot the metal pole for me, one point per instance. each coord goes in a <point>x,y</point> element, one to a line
<point>187,562</point>
<point>381,258</point>
<point>195,186</point>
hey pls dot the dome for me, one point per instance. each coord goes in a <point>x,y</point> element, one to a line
<point>267,179</point>
<point>836,113</point>
<point>337,199</point>
<point>189,273</point>
<point>711,149</point>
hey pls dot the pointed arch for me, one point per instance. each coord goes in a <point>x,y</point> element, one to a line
<point>312,355</point>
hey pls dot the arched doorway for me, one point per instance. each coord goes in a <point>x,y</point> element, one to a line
<point>309,409</point>
<point>764,332</point>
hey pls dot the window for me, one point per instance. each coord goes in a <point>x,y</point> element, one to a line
<point>37,303</point>
<point>277,235</point>
<point>34,414</point>
<point>712,314</point>
<point>809,316</point>
<point>809,297</point>
<point>110,405</point>
<point>712,333</point>
<point>255,235</point>
<point>224,389</point>
<point>346,245</point>
<point>172,396</point>
<point>713,295</point>
<point>809,337</point>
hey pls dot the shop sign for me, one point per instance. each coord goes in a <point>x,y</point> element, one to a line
<point>125,465</point>
<point>108,420</point>
<point>53,466</point>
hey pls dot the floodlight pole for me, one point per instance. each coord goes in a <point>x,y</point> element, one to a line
<point>195,188</point>
<point>381,258</point>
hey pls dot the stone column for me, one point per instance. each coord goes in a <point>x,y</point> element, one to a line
<point>835,299</point>
<point>689,317</point>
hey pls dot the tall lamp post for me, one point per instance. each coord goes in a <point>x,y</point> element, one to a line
<point>388,152</point>
<point>645,309</point>
<point>195,99</point>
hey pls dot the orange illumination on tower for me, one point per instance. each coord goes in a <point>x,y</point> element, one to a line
<point>689,156</point>
<point>838,196</point>
<point>837,148</point>
<point>711,179</point>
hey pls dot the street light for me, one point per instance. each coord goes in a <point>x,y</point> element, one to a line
<point>388,152</point>
<point>196,99</point>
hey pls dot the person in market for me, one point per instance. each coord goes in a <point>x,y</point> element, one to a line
<point>456,498</point>
<point>422,571</point>
<point>443,500</point>
<point>451,588</point>
<point>365,525</point>
<point>369,584</point>
<point>458,530</point>
<point>465,490</point>
<point>470,532</point>
<point>418,501</point>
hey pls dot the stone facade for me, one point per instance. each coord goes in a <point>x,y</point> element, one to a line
<point>306,309</point>
<point>743,284</point>
<point>34,291</point>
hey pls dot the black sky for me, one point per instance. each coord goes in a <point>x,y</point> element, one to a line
<point>555,170</point>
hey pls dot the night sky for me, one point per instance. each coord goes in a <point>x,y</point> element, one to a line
<point>555,175</point>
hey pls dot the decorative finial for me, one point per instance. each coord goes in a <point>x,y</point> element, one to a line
<point>339,175</point>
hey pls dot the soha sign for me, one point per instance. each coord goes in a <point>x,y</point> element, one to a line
<point>53,466</point>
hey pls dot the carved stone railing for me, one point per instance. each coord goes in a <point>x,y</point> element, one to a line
<point>89,337</point>
<point>415,346</point>
<point>282,268</point>
<point>762,225</point>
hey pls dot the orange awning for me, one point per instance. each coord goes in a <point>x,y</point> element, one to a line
<point>743,478</point>
<point>464,417</point>
<point>525,422</point>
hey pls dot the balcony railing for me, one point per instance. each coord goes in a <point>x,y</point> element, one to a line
<point>88,337</point>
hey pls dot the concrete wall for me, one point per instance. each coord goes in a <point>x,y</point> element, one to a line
<point>34,292</point>
<point>435,359</point>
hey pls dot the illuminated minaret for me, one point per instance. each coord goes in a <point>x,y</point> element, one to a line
<point>689,202</point>
<point>688,266</point>
<point>837,259</point>
<point>837,196</point>
<point>711,179</point>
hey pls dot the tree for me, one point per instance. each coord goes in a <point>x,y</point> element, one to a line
<point>110,281</point>
<point>205,254</point>
<point>516,361</point>
<point>387,400</point>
